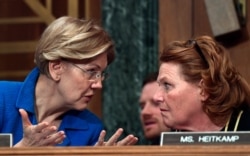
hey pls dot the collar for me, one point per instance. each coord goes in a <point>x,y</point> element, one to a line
<point>26,95</point>
<point>26,98</point>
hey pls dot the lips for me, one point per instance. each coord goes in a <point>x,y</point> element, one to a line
<point>163,109</point>
<point>149,122</point>
<point>148,125</point>
<point>88,97</point>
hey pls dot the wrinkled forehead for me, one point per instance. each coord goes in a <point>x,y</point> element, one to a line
<point>169,69</point>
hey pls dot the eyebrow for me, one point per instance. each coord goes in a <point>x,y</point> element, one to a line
<point>95,65</point>
<point>162,78</point>
<point>92,65</point>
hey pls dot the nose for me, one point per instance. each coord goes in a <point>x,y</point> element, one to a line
<point>146,109</point>
<point>97,84</point>
<point>158,96</point>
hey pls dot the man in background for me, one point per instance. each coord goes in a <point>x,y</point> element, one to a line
<point>150,114</point>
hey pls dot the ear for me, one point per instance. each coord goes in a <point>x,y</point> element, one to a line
<point>203,93</point>
<point>55,69</point>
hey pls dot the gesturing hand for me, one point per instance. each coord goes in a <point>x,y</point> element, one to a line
<point>41,134</point>
<point>113,141</point>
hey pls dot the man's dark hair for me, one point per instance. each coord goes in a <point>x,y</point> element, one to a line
<point>150,78</point>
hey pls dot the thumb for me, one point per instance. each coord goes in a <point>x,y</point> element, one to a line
<point>25,118</point>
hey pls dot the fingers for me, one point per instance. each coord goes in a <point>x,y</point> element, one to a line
<point>114,138</point>
<point>41,127</point>
<point>100,141</point>
<point>49,130</point>
<point>59,137</point>
<point>42,134</point>
<point>54,139</point>
<point>129,140</point>
<point>113,141</point>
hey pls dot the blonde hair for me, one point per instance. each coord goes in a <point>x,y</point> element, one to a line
<point>72,38</point>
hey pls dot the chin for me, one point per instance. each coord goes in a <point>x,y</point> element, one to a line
<point>81,108</point>
<point>151,135</point>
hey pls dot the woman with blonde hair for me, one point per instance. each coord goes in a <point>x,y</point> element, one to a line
<point>49,107</point>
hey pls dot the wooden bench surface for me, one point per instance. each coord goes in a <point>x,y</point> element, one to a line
<point>173,150</point>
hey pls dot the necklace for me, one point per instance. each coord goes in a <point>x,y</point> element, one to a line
<point>236,124</point>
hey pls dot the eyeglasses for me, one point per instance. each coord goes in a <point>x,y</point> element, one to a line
<point>93,76</point>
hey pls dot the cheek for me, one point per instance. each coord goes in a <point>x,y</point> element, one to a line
<point>173,99</point>
<point>184,102</point>
<point>159,116</point>
<point>80,87</point>
<point>176,102</point>
<point>73,88</point>
<point>74,85</point>
<point>155,111</point>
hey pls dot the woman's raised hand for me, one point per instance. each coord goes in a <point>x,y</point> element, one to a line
<point>41,134</point>
<point>113,141</point>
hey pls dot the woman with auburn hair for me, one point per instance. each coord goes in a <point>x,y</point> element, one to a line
<point>200,89</point>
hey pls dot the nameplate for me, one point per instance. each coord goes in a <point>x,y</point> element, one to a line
<point>204,138</point>
<point>5,140</point>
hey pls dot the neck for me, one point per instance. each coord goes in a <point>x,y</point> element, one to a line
<point>203,123</point>
<point>48,103</point>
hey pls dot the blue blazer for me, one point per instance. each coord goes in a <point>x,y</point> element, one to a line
<point>82,128</point>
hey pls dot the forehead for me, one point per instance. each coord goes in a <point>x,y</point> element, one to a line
<point>148,91</point>
<point>99,61</point>
<point>170,70</point>
<point>150,87</point>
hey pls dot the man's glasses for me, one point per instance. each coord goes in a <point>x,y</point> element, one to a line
<point>93,76</point>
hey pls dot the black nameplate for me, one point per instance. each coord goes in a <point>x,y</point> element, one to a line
<point>204,138</point>
<point>5,140</point>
